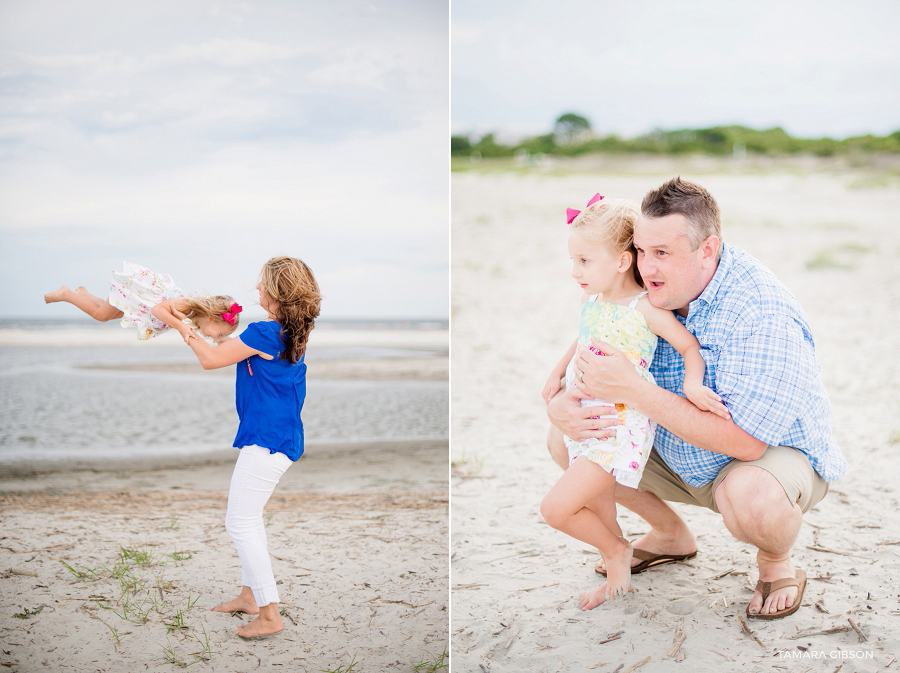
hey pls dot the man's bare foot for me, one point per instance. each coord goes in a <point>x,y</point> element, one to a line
<point>268,623</point>
<point>769,571</point>
<point>56,295</point>
<point>239,604</point>
<point>681,542</point>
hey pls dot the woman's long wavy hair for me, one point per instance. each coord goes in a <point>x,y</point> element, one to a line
<point>201,306</point>
<point>291,285</point>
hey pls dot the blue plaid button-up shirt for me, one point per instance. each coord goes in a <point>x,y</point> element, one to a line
<point>760,359</point>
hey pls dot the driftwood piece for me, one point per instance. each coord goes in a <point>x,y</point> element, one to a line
<point>861,637</point>
<point>636,666</point>
<point>611,637</point>
<point>748,631</point>
<point>824,632</point>
<point>826,550</point>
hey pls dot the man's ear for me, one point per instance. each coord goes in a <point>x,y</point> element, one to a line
<point>710,249</point>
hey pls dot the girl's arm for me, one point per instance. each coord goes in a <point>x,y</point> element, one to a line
<point>168,312</point>
<point>663,323</point>
<point>226,353</point>
<point>554,383</point>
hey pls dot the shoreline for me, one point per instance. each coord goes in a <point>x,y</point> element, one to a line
<point>427,458</point>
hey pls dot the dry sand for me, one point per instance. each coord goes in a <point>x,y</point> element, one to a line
<point>832,233</point>
<point>357,532</point>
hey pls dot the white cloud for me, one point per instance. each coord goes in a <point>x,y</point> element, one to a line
<point>182,135</point>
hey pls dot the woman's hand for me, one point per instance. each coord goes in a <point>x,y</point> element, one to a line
<point>580,423</point>
<point>188,333</point>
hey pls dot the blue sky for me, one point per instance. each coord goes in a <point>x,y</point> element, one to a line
<point>201,138</point>
<point>813,67</point>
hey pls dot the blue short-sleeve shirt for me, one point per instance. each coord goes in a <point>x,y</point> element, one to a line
<point>760,358</point>
<point>269,394</point>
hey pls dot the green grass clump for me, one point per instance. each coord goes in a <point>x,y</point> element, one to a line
<point>28,614</point>
<point>845,256</point>
<point>429,666</point>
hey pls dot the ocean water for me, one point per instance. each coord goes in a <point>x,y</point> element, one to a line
<point>52,408</point>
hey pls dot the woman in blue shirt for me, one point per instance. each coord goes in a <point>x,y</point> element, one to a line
<point>269,393</point>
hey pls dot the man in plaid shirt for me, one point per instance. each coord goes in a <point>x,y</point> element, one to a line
<point>767,465</point>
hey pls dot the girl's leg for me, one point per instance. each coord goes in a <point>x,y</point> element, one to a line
<point>83,291</point>
<point>98,309</point>
<point>572,506</point>
<point>255,476</point>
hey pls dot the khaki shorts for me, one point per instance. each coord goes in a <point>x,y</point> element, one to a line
<point>790,467</point>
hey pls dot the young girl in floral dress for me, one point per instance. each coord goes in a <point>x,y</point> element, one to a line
<point>153,304</point>
<point>616,311</point>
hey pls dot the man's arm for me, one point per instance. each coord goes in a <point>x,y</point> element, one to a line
<point>612,377</point>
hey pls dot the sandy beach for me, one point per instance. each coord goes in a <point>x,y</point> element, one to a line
<point>114,566</point>
<point>830,231</point>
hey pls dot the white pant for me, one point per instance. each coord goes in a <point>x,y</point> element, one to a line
<point>256,474</point>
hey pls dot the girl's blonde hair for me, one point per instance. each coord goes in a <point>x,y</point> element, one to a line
<point>610,222</point>
<point>200,306</point>
<point>292,286</point>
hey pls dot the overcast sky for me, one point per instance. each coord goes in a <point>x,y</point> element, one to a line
<point>201,138</point>
<point>813,67</point>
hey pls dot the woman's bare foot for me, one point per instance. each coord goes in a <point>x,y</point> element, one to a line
<point>243,603</point>
<point>267,623</point>
<point>57,295</point>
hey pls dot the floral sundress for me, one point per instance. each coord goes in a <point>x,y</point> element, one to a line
<point>624,327</point>
<point>135,291</point>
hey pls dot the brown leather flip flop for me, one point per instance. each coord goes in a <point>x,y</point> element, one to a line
<point>649,560</point>
<point>765,588</point>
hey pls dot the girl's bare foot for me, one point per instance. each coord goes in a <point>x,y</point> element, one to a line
<point>268,623</point>
<point>618,578</point>
<point>239,604</point>
<point>56,295</point>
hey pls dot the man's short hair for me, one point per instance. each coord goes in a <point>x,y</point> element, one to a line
<point>689,199</point>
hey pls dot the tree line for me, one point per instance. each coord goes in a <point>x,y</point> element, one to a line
<point>572,136</point>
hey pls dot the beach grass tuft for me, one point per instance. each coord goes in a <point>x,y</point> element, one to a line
<point>429,666</point>
<point>343,668</point>
<point>845,256</point>
<point>142,557</point>
<point>83,573</point>
<point>29,613</point>
<point>176,620</point>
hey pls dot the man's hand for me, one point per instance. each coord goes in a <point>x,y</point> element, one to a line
<point>580,423</point>
<point>610,376</point>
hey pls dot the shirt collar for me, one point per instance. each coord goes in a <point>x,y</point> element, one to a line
<point>707,297</point>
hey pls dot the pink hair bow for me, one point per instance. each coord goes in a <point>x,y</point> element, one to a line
<point>230,315</point>
<point>571,213</point>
